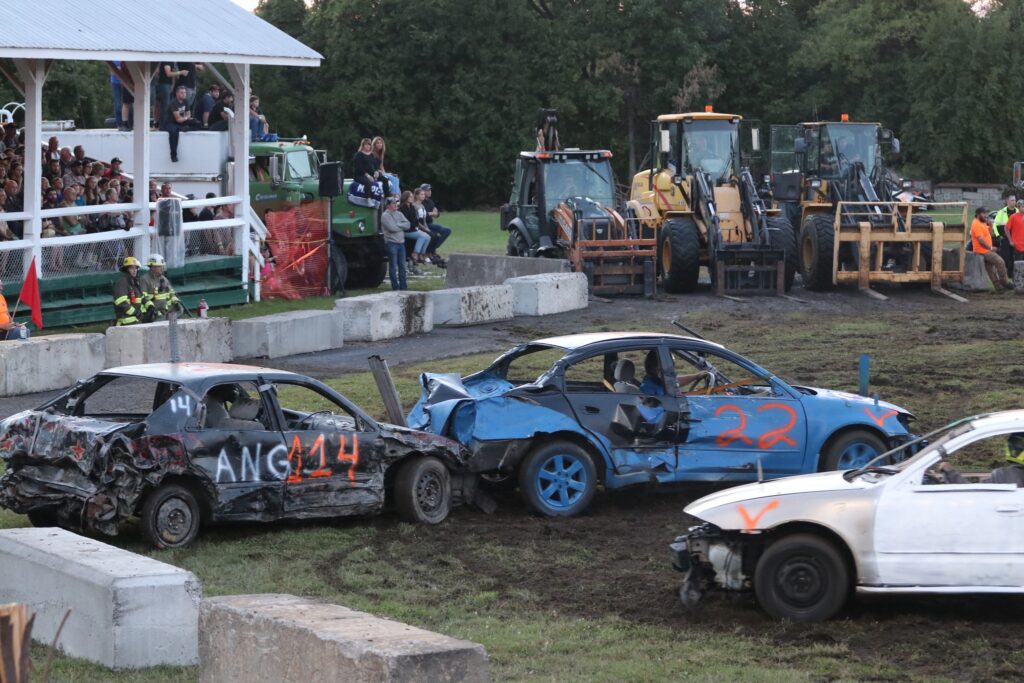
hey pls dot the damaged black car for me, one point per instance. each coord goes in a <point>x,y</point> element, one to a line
<point>185,444</point>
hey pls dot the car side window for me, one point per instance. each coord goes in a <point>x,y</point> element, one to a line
<point>703,373</point>
<point>636,371</point>
<point>590,375</point>
<point>306,408</point>
<point>235,406</point>
<point>992,460</point>
<point>118,396</point>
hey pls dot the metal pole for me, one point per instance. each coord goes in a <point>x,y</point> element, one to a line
<point>865,372</point>
<point>387,389</point>
<point>172,334</point>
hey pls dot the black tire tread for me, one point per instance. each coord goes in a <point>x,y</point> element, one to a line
<point>838,576</point>
<point>409,473</point>
<point>682,238</point>
<point>150,506</point>
<point>819,229</point>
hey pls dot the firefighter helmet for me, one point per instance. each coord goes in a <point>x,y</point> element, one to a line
<point>130,261</point>
<point>156,260</point>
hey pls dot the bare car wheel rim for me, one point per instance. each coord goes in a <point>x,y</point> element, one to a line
<point>561,481</point>
<point>429,492</point>
<point>174,521</point>
<point>801,581</point>
<point>857,454</point>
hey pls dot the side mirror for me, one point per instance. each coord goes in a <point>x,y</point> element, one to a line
<point>906,184</point>
<point>895,145</point>
<point>1018,166</point>
<point>800,146</point>
<point>275,172</point>
<point>755,139</point>
<point>665,143</point>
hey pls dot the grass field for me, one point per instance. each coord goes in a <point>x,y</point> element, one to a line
<point>593,598</point>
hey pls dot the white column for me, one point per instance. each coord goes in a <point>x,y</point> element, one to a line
<point>33,74</point>
<point>239,149</point>
<point>141,75</point>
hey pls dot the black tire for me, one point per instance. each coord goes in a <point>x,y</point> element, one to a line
<point>817,240</point>
<point>423,491</point>
<point>339,269</point>
<point>367,262</point>
<point>851,449</point>
<point>517,245</point>
<point>170,517</point>
<point>680,255</point>
<point>792,211</point>
<point>801,578</point>
<point>782,236</point>
<point>42,517</point>
<point>554,463</point>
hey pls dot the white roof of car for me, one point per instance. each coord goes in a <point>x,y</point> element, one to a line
<point>570,342</point>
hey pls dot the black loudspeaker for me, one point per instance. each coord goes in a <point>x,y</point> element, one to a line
<point>331,179</point>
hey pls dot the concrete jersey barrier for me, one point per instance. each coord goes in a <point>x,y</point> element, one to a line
<point>387,315</point>
<point>468,270</point>
<point>286,334</point>
<point>49,362</point>
<point>127,610</point>
<point>206,340</point>
<point>286,638</point>
<point>549,294</point>
<point>472,305</point>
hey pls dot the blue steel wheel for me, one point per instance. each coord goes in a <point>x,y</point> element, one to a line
<point>558,479</point>
<point>851,450</point>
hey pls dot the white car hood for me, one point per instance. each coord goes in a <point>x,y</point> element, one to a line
<point>821,482</point>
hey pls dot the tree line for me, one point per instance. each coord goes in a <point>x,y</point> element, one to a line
<point>454,85</point>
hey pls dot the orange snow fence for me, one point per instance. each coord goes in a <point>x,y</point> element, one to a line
<point>297,240</point>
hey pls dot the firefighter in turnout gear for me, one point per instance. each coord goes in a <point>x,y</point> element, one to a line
<point>157,293</point>
<point>128,301</point>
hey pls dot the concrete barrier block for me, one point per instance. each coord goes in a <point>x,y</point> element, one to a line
<point>1018,277</point>
<point>206,340</point>
<point>285,638</point>
<point>548,294</point>
<point>975,275</point>
<point>285,334</point>
<point>472,305</point>
<point>49,362</point>
<point>468,270</point>
<point>127,611</point>
<point>386,315</point>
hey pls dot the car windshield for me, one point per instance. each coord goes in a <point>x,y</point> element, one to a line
<point>896,460</point>
<point>712,146</point>
<point>845,144</point>
<point>578,178</point>
<point>301,164</point>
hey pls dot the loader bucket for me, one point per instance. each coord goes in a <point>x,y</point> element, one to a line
<point>747,268</point>
<point>613,259</point>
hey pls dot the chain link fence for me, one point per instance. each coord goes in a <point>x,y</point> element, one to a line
<point>78,259</point>
<point>12,266</point>
<point>210,242</point>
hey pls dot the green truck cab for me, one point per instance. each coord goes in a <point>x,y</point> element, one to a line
<point>287,173</point>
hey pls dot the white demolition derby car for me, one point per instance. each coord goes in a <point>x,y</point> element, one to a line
<point>924,524</point>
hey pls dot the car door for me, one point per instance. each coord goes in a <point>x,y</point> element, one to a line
<point>738,416</point>
<point>333,466</point>
<point>235,441</point>
<point>931,533</point>
<point>634,414</point>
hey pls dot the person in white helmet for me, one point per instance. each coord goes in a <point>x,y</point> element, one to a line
<point>157,292</point>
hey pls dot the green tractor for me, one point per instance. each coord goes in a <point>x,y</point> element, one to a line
<point>285,174</point>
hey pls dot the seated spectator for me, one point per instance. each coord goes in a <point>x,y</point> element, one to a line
<point>205,104</point>
<point>96,170</point>
<point>390,180</point>
<point>92,192</point>
<point>366,188</point>
<point>14,205</point>
<point>50,225</point>
<point>259,128</point>
<point>44,184</point>
<point>9,330</point>
<point>79,194</point>
<point>53,170</point>
<point>53,149</point>
<point>66,157</point>
<point>223,237</point>
<point>417,233</point>
<point>115,170</point>
<point>79,153</point>
<point>75,175</point>
<point>6,234</point>
<point>10,138</point>
<point>58,185</point>
<point>166,191</point>
<point>440,232</point>
<point>179,119</point>
<point>222,112</point>
<point>207,212</point>
<point>71,224</point>
<point>115,220</point>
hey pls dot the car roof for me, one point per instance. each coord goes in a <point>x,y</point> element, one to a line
<point>571,342</point>
<point>193,372</point>
<point>997,419</point>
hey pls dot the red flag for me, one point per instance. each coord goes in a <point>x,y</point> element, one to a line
<point>30,295</point>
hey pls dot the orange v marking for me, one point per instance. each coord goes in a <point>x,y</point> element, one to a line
<point>880,420</point>
<point>751,522</point>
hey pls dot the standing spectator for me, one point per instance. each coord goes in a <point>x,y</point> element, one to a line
<point>180,119</point>
<point>1015,235</point>
<point>205,104</point>
<point>222,112</point>
<point>259,129</point>
<point>188,79</point>
<point>440,232</point>
<point>165,77</point>
<point>115,95</point>
<point>1001,241</point>
<point>9,330</point>
<point>166,191</point>
<point>394,225</point>
<point>981,243</point>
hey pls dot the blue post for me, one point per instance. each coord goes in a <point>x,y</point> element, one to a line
<point>865,371</point>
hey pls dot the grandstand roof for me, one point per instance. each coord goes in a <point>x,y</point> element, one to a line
<point>146,30</point>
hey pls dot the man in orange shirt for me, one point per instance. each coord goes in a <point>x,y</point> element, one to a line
<point>1015,231</point>
<point>981,243</point>
<point>9,330</point>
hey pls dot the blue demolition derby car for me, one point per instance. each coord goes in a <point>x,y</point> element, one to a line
<point>562,415</point>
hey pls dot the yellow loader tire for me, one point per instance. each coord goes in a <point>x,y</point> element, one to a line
<point>817,239</point>
<point>680,255</point>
